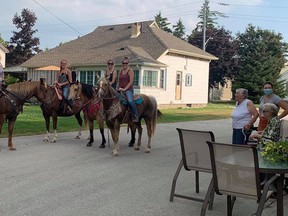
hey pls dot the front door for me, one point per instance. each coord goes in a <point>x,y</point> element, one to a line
<point>178,86</point>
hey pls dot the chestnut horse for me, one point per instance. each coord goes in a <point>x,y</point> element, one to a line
<point>12,100</point>
<point>91,107</point>
<point>116,114</point>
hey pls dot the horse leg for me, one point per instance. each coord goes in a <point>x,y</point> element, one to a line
<point>149,134</point>
<point>47,123</point>
<point>101,126</point>
<point>54,117</point>
<point>115,129</point>
<point>2,119</point>
<point>80,123</point>
<point>91,128</point>
<point>140,130</point>
<point>11,123</point>
<point>133,132</point>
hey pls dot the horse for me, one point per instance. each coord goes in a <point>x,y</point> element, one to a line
<point>51,108</point>
<point>12,100</point>
<point>91,108</point>
<point>116,113</point>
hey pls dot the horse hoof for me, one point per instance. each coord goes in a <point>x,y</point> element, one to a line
<point>136,148</point>
<point>45,140</point>
<point>12,148</point>
<point>53,141</point>
<point>147,151</point>
<point>102,146</point>
<point>115,154</point>
<point>131,145</point>
<point>89,144</point>
<point>77,137</point>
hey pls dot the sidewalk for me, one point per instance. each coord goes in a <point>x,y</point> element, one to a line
<point>68,178</point>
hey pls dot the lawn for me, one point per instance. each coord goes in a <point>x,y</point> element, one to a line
<point>31,120</point>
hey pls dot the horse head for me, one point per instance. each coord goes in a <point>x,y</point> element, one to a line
<point>104,88</point>
<point>75,91</point>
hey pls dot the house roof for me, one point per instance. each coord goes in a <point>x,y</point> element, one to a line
<point>4,48</point>
<point>115,41</point>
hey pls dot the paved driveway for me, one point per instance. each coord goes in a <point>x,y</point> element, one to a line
<point>68,178</point>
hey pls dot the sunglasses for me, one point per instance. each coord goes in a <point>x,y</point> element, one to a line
<point>124,63</point>
<point>265,111</point>
<point>110,63</point>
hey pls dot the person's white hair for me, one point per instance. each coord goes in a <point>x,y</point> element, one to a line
<point>271,107</point>
<point>243,92</point>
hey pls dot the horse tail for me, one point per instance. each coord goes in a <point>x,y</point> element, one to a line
<point>154,114</point>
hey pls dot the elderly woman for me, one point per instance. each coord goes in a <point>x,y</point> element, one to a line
<point>243,116</point>
<point>272,130</point>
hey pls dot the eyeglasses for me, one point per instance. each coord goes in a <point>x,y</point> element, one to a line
<point>110,63</point>
<point>125,63</point>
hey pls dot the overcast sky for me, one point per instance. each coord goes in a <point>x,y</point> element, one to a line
<point>64,20</point>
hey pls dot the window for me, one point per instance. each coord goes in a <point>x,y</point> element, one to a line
<point>150,78</point>
<point>188,80</point>
<point>89,77</point>
<point>163,79</point>
<point>136,78</point>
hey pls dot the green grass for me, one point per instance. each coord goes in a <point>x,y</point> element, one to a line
<point>31,120</point>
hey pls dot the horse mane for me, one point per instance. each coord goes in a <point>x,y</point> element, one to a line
<point>87,90</point>
<point>22,89</point>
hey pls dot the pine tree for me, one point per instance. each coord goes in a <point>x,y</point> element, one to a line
<point>162,22</point>
<point>179,30</point>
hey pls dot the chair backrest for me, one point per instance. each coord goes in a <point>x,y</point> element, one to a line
<point>284,130</point>
<point>235,170</point>
<point>195,152</point>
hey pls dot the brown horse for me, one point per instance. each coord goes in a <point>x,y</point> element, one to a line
<point>91,107</point>
<point>116,114</point>
<point>51,107</point>
<point>12,100</point>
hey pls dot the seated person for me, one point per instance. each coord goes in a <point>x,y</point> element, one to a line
<point>272,130</point>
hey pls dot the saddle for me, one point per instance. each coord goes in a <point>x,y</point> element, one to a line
<point>58,92</point>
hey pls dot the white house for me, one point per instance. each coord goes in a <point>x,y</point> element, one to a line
<point>172,70</point>
<point>3,51</point>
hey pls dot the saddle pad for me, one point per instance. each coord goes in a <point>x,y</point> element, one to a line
<point>91,108</point>
<point>137,100</point>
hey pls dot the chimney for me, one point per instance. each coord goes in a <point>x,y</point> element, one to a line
<point>136,29</point>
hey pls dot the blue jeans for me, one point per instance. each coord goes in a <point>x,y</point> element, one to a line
<point>238,136</point>
<point>130,99</point>
<point>65,92</point>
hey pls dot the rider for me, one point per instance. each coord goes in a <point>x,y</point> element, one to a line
<point>63,81</point>
<point>125,84</point>
<point>111,73</point>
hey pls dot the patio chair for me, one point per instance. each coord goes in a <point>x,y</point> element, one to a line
<point>195,156</point>
<point>235,170</point>
<point>284,130</point>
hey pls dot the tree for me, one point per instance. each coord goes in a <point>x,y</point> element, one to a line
<point>23,45</point>
<point>179,30</point>
<point>2,41</point>
<point>206,15</point>
<point>162,22</point>
<point>221,44</point>
<point>261,55</point>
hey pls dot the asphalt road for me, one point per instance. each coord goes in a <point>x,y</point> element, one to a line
<point>68,178</point>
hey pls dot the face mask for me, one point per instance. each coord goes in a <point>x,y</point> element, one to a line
<point>267,91</point>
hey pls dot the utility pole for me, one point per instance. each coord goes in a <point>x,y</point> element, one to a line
<point>204,25</point>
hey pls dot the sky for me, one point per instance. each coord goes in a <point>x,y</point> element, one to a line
<point>64,20</point>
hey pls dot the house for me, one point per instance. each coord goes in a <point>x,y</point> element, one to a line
<point>222,93</point>
<point>284,76</point>
<point>3,51</point>
<point>172,70</point>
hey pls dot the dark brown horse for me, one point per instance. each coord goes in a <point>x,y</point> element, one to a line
<point>91,107</point>
<point>12,100</point>
<point>51,108</point>
<point>116,114</point>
